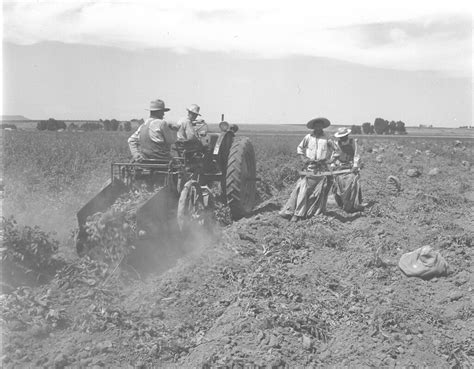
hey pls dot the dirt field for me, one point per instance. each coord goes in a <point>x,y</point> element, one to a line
<point>323,292</point>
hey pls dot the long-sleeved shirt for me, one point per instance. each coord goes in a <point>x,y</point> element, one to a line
<point>159,131</point>
<point>315,148</point>
<point>189,130</point>
<point>347,152</point>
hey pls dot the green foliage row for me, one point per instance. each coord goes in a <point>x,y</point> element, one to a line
<point>27,247</point>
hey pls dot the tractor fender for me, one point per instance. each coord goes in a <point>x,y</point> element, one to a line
<point>222,147</point>
<point>223,138</point>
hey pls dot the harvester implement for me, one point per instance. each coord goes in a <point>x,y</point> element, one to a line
<point>180,186</point>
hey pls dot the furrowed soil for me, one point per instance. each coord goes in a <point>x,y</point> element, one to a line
<point>266,292</point>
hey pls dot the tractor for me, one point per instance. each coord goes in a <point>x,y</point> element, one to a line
<point>183,185</point>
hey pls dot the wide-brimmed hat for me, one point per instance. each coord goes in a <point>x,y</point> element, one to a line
<point>424,263</point>
<point>341,132</point>
<point>193,108</point>
<point>157,105</point>
<point>321,121</point>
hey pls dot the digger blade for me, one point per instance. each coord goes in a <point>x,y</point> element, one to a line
<point>101,202</point>
<point>157,216</point>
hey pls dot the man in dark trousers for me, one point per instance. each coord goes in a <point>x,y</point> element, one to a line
<point>153,139</point>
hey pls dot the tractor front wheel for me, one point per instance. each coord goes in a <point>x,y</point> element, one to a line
<point>240,181</point>
<point>194,206</point>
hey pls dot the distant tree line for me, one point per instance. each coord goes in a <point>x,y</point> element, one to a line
<point>106,125</point>
<point>380,127</point>
<point>50,125</point>
<point>7,125</point>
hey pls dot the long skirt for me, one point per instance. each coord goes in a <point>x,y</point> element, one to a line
<point>308,198</point>
<point>347,192</point>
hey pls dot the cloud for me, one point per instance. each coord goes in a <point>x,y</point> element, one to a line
<point>431,36</point>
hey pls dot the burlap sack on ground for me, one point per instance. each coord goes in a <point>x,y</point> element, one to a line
<point>347,192</point>
<point>424,263</point>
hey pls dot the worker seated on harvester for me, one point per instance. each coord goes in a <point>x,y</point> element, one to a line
<point>153,139</point>
<point>346,189</point>
<point>192,132</point>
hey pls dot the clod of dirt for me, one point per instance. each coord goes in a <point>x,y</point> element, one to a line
<point>60,361</point>
<point>379,159</point>
<point>466,164</point>
<point>433,172</point>
<point>307,342</point>
<point>461,278</point>
<point>413,172</point>
<point>393,185</point>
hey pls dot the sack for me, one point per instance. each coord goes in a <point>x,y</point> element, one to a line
<point>424,263</point>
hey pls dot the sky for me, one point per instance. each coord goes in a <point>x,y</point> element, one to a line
<point>255,61</point>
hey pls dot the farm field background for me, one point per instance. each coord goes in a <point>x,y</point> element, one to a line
<point>299,129</point>
<point>324,291</point>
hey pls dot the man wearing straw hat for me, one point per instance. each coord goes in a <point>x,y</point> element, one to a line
<point>346,189</point>
<point>310,194</point>
<point>153,139</point>
<point>192,128</point>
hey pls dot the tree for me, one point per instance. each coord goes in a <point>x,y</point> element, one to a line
<point>367,128</point>
<point>127,126</point>
<point>357,130</point>
<point>381,126</point>
<point>50,125</point>
<point>91,126</point>
<point>392,127</point>
<point>114,124</point>
<point>401,128</point>
<point>106,124</point>
<point>72,127</point>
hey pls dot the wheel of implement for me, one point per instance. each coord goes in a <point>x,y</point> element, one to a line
<point>191,208</point>
<point>240,178</point>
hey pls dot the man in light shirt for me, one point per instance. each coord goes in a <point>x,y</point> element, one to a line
<point>310,194</point>
<point>153,139</point>
<point>191,127</point>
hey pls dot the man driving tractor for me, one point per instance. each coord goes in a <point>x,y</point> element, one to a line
<point>193,130</point>
<point>153,139</point>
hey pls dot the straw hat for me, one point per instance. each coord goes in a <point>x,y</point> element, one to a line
<point>341,132</point>
<point>157,105</point>
<point>323,122</point>
<point>193,108</point>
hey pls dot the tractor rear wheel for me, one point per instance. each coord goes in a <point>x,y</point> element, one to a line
<point>240,185</point>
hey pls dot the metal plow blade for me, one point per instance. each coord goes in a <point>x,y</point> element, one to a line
<point>101,202</point>
<point>156,217</point>
<point>159,239</point>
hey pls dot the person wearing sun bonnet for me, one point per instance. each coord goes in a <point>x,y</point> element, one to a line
<point>309,196</point>
<point>346,189</point>
<point>153,139</point>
